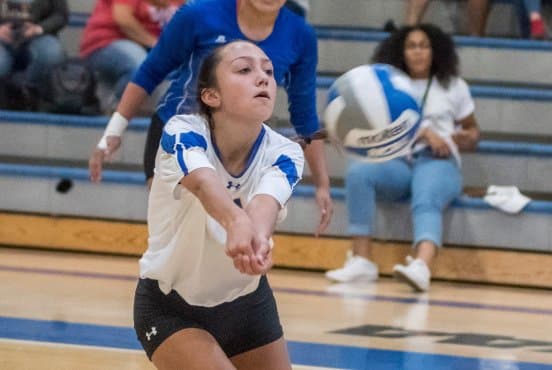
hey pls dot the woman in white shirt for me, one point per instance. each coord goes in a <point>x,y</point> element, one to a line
<point>221,181</point>
<point>431,176</point>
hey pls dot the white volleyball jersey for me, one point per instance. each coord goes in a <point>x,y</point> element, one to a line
<point>444,108</point>
<point>185,245</point>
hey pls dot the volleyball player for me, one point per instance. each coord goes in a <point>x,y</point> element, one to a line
<point>222,179</point>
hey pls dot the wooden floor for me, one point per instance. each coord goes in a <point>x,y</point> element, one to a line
<point>453,263</point>
<point>61,310</point>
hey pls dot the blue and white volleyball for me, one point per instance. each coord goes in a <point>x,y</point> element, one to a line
<point>371,115</point>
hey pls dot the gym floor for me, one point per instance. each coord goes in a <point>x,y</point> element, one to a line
<point>61,310</point>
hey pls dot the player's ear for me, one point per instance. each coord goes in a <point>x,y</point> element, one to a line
<point>211,97</point>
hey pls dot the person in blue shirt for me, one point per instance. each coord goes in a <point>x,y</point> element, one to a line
<point>195,30</point>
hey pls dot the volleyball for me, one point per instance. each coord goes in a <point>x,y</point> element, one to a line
<point>371,115</point>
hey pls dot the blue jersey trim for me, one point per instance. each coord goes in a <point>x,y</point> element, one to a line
<point>287,166</point>
<point>186,140</point>
<point>168,142</point>
<point>254,150</point>
<point>250,156</point>
<point>192,139</point>
<point>180,159</point>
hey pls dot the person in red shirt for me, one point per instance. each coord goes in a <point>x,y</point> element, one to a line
<point>29,43</point>
<point>118,35</point>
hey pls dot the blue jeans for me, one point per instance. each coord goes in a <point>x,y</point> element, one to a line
<point>117,62</point>
<point>532,6</point>
<point>524,8</point>
<point>430,183</point>
<point>35,57</point>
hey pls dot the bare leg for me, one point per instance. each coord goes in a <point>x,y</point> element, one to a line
<point>417,274</point>
<point>478,12</point>
<point>360,267</point>
<point>362,246</point>
<point>272,356</point>
<point>532,6</point>
<point>426,251</point>
<point>415,10</point>
<point>192,349</point>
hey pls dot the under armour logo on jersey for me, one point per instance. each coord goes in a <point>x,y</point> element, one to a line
<point>221,39</point>
<point>231,185</point>
<point>153,332</point>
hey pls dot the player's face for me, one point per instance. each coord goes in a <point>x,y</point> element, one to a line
<point>266,6</point>
<point>418,54</point>
<point>245,82</point>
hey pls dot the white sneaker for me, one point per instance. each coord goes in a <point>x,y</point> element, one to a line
<point>356,268</point>
<point>415,273</point>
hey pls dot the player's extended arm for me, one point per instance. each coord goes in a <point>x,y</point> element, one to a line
<point>133,97</point>
<point>263,211</point>
<point>205,184</point>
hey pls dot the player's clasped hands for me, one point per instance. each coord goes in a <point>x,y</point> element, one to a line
<point>250,252</point>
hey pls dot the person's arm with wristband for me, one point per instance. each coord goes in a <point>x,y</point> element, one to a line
<point>110,141</point>
<point>161,60</point>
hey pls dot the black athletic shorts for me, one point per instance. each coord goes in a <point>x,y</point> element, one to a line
<point>244,324</point>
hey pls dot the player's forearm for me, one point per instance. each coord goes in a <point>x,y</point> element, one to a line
<point>205,184</point>
<point>131,101</point>
<point>263,211</point>
<point>316,158</point>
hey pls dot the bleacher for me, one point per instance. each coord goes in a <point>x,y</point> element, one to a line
<point>46,192</point>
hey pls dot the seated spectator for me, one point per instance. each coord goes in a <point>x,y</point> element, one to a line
<point>477,13</point>
<point>118,36</point>
<point>537,27</point>
<point>28,38</point>
<point>431,175</point>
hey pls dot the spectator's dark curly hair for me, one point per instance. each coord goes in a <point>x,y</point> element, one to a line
<point>445,60</point>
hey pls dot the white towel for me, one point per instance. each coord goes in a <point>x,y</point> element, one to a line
<point>506,198</point>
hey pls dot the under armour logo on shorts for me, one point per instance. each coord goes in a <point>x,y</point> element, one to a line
<point>153,332</point>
